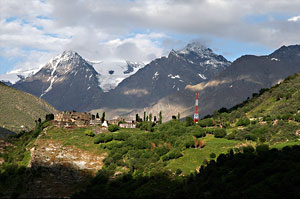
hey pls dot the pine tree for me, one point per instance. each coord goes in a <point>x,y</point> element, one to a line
<point>137,119</point>
<point>103,117</point>
<point>160,118</point>
<point>150,117</point>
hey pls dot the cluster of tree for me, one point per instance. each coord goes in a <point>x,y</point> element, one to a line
<point>260,173</point>
<point>149,150</point>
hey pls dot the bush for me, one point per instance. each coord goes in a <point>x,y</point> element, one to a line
<point>219,133</point>
<point>178,172</point>
<point>174,154</point>
<point>199,133</point>
<point>250,137</point>
<point>248,149</point>
<point>88,132</point>
<point>212,155</point>
<point>113,128</point>
<point>206,122</point>
<point>103,138</point>
<point>243,122</point>
<point>262,148</point>
<point>230,136</point>
<point>189,121</point>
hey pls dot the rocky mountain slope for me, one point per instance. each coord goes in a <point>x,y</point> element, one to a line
<point>164,76</point>
<point>67,82</point>
<point>19,110</point>
<point>245,76</point>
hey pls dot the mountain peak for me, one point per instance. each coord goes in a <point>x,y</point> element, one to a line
<point>195,47</point>
<point>286,51</point>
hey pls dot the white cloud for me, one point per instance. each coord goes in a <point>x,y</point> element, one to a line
<point>294,19</point>
<point>136,30</point>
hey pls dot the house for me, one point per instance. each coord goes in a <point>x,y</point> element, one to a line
<point>128,124</point>
<point>116,121</point>
<point>71,119</point>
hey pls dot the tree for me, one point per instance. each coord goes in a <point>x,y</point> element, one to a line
<point>49,117</point>
<point>103,117</point>
<point>212,155</point>
<point>97,116</point>
<point>155,119</point>
<point>220,133</point>
<point>40,120</point>
<point>150,117</point>
<point>160,117</point>
<point>137,118</point>
<point>178,116</point>
<point>144,116</point>
<point>147,118</point>
<point>189,121</point>
<point>113,128</point>
<point>173,117</point>
<point>93,117</point>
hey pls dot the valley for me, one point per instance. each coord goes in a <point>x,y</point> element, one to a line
<point>171,153</point>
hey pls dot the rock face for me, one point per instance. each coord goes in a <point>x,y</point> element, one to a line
<point>49,153</point>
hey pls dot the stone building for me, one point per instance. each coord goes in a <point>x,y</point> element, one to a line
<point>71,119</point>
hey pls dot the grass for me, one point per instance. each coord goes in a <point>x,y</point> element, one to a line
<point>193,158</point>
<point>19,110</point>
<point>73,137</point>
<point>283,144</point>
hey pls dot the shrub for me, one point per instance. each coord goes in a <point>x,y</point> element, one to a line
<point>88,132</point>
<point>250,137</point>
<point>121,136</point>
<point>189,121</point>
<point>262,148</point>
<point>220,133</point>
<point>178,172</point>
<point>206,122</point>
<point>174,154</point>
<point>248,149</point>
<point>199,133</point>
<point>113,128</point>
<point>243,122</point>
<point>230,136</point>
<point>103,138</point>
<point>212,155</point>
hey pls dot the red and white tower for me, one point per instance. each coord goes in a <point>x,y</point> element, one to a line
<point>196,114</point>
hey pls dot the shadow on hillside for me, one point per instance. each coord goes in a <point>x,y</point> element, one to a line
<point>253,174</point>
<point>5,133</point>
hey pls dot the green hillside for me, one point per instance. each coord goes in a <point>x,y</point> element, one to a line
<point>271,116</point>
<point>19,110</point>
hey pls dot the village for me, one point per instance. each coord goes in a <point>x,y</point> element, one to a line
<point>67,119</point>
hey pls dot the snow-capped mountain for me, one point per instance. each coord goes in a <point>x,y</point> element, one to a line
<point>197,53</point>
<point>190,65</point>
<point>66,81</point>
<point>111,73</point>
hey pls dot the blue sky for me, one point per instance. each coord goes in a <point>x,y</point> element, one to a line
<point>141,30</point>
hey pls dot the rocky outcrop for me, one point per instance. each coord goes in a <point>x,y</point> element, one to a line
<point>58,171</point>
<point>50,153</point>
